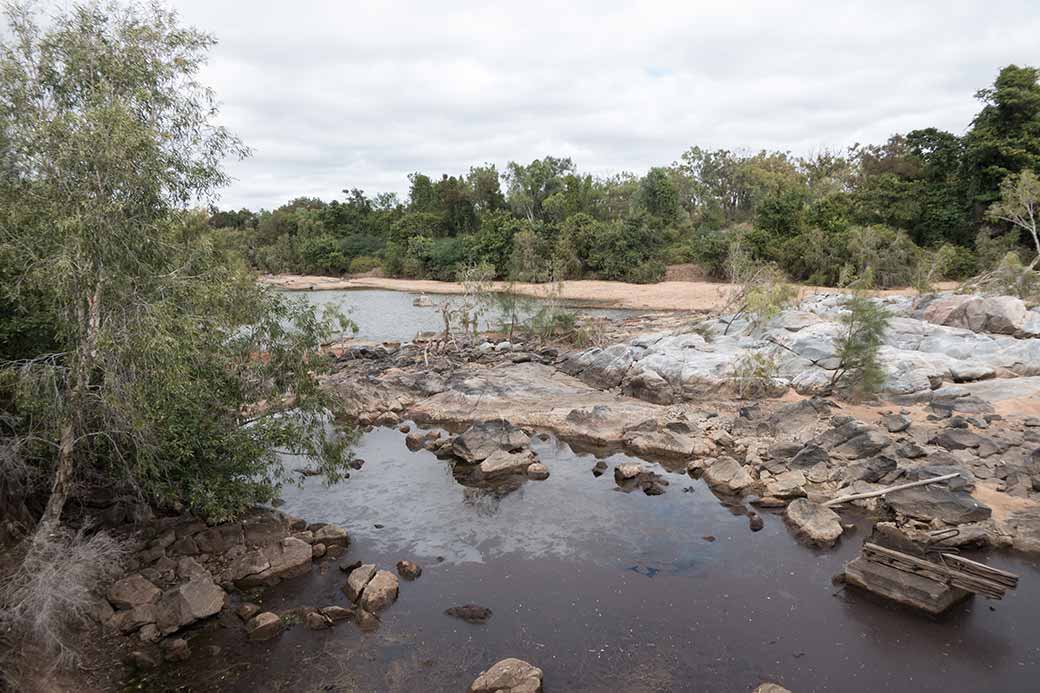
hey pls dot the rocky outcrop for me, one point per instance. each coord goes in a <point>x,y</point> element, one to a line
<point>509,676</point>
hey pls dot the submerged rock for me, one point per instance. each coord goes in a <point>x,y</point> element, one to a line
<point>502,463</point>
<point>509,676</point>
<point>470,613</point>
<point>409,570</point>
<point>537,471</point>
<point>263,626</point>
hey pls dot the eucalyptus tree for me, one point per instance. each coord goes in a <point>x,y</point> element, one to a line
<point>172,370</point>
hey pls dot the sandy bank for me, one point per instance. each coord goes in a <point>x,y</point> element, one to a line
<point>678,295</point>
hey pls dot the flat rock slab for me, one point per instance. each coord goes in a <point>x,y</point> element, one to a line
<point>902,587</point>
<point>936,502</point>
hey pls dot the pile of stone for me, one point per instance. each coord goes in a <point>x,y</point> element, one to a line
<point>183,571</point>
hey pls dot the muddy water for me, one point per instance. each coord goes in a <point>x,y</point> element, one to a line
<point>605,591</point>
<point>390,315</point>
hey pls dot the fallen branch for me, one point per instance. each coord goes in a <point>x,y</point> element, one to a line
<point>899,487</point>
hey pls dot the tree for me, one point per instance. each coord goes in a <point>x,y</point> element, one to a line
<point>1019,205</point>
<point>658,196</point>
<point>173,370</point>
<point>1005,135</point>
<point>859,373</point>
<point>529,185</point>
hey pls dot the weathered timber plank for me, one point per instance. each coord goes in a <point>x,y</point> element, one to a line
<point>933,571</point>
<point>982,570</point>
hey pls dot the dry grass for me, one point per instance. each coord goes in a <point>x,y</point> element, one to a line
<point>50,594</point>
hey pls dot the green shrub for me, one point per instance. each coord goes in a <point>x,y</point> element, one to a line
<point>363,263</point>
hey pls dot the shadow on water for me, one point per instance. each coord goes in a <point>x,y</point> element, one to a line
<point>605,591</point>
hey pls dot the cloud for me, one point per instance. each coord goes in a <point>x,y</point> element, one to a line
<point>334,95</point>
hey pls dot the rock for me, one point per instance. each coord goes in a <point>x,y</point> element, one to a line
<point>415,440</point>
<point>626,471</point>
<point>132,619</point>
<point>337,613</point>
<point>263,626</point>
<point>149,633</point>
<point>247,610</point>
<point>185,546</point>
<point>408,570</point>
<point>288,558</point>
<point>380,592</point>
<point>483,439</point>
<point>957,439</point>
<point>819,524</point>
<point>537,471</point>
<point>871,471</point>
<point>910,450</point>
<point>863,445</point>
<point>331,535</point>
<point>357,580</point>
<point>728,476</point>
<point>318,551</point>
<point>768,687</point>
<point>366,620</point>
<point>787,485</point>
<point>666,443</point>
<point>315,620</point>
<point>470,613</point>
<point>189,569</point>
<point>503,346</point>
<point>935,502</point>
<point>896,423</point>
<point>755,522</point>
<point>810,455</point>
<point>132,591</point>
<point>194,600</point>
<point>509,676</point>
<point>176,650</point>
<point>502,463</point>
<point>140,661</point>
<point>599,468</point>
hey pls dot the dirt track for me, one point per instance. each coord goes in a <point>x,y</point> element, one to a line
<point>680,295</point>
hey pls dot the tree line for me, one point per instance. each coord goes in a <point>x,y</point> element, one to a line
<point>919,202</point>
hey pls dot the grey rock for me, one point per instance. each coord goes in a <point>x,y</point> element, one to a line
<point>483,439</point>
<point>509,676</point>
<point>820,525</point>
<point>936,502</point>
<point>728,476</point>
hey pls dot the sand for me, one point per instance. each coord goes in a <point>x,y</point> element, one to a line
<point>697,296</point>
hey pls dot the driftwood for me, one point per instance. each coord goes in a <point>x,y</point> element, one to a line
<point>937,572</point>
<point>899,487</point>
<point>981,570</point>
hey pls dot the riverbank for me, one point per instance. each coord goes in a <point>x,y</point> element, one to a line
<point>695,296</point>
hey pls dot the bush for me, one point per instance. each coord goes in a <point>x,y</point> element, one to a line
<point>859,374</point>
<point>991,248</point>
<point>890,253</point>
<point>363,263</point>
<point>648,272</point>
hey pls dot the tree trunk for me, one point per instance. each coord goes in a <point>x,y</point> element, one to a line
<point>64,474</point>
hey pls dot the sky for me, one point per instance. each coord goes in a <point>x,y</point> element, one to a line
<point>336,95</point>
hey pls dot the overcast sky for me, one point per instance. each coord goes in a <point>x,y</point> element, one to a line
<point>334,95</point>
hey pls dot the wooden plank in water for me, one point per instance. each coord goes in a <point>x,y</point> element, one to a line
<point>933,571</point>
<point>981,570</point>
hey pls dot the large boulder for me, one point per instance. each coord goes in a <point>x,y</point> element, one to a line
<point>131,591</point>
<point>728,476</point>
<point>331,535</point>
<point>483,439</point>
<point>196,599</point>
<point>509,676</point>
<point>290,557</point>
<point>819,524</point>
<point>380,592</point>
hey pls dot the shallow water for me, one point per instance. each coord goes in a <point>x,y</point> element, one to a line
<point>605,591</point>
<point>390,315</point>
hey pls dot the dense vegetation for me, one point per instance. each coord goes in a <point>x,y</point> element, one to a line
<point>135,354</point>
<point>911,209</point>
